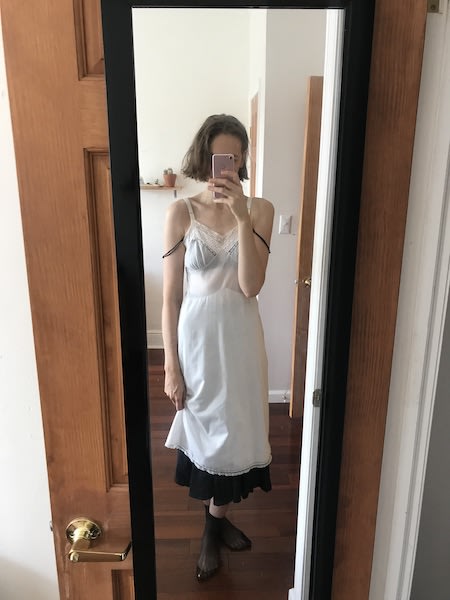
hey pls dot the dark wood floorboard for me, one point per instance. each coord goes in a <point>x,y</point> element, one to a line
<point>266,571</point>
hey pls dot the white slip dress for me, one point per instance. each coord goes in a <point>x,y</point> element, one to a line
<point>224,426</point>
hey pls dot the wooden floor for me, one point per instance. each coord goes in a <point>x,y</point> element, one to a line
<point>266,571</point>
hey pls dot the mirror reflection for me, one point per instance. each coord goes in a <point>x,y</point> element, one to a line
<point>255,65</point>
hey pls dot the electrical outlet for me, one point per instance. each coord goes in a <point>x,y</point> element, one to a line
<point>284,225</point>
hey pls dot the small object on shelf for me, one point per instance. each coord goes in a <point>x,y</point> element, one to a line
<point>169,178</point>
<point>154,184</point>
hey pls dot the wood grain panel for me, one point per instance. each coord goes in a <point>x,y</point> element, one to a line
<point>123,585</point>
<point>89,39</point>
<point>67,223</point>
<point>104,265</point>
<point>94,121</point>
<point>393,95</point>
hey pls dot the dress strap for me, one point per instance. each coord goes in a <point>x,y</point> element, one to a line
<point>178,244</point>
<point>262,239</point>
<point>249,207</point>
<point>172,250</point>
<point>190,209</point>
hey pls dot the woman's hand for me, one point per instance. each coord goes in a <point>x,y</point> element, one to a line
<point>175,388</point>
<point>229,185</point>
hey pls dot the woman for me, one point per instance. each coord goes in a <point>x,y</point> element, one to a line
<point>216,253</point>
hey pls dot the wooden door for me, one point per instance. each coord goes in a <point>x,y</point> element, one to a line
<point>54,60</point>
<point>305,241</point>
<point>253,142</point>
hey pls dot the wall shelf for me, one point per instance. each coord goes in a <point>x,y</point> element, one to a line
<point>160,188</point>
<point>152,186</point>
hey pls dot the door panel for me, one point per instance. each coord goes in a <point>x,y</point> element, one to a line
<point>88,34</point>
<point>58,104</point>
<point>305,243</point>
<point>108,332</point>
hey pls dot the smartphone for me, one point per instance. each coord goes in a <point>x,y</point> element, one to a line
<point>221,162</point>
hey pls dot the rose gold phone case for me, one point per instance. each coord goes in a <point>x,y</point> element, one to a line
<point>221,162</point>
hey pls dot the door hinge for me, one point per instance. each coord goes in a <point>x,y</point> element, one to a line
<point>433,6</point>
<point>317,397</point>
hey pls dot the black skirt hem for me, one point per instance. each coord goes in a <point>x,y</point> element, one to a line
<point>223,488</point>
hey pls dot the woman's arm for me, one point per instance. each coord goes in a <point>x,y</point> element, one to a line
<point>253,253</point>
<point>173,273</point>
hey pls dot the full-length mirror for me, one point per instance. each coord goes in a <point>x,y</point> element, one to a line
<point>167,69</point>
<point>263,77</point>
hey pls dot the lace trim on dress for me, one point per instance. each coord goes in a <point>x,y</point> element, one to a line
<point>215,242</point>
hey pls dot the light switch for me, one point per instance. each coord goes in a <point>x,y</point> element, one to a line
<point>285,224</point>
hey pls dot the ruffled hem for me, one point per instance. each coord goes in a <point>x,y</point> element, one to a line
<point>218,472</point>
<point>223,488</point>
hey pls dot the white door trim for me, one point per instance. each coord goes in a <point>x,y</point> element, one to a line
<point>422,307</point>
<point>318,299</point>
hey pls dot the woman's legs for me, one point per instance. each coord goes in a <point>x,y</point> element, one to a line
<point>218,511</point>
<point>209,559</point>
<point>218,529</point>
<point>230,535</point>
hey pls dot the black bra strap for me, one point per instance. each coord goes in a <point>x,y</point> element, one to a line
<point>263,240</point>
<point>172,250</point>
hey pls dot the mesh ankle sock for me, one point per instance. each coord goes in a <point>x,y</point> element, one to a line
<point>209,559</point>
<point>231,536</point>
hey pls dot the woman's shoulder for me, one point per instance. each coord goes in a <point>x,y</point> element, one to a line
<point>262,206</point>
<point>177,206</point>
<point>178,209</point>
<point>178,214</point>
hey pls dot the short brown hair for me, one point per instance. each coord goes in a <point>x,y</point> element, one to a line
<point>197,161</point>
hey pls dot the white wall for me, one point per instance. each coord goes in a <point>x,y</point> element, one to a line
<point>431,571</point>
<point>295,51</point>
<point>273,53</point>
<point>187,68</point>
<point>27,563</point>
<point>257,85</point>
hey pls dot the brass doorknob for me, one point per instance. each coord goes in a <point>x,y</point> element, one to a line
<point>80,532</point>
<point>307,281</point>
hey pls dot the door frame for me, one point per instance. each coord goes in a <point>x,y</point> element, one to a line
<point>423,306</point>
<point>398,42</point>
<point>117,33</point>
<point>397,54</point>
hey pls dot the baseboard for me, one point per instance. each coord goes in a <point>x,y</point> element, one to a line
<point>154,338</point>
<point>279,396</point>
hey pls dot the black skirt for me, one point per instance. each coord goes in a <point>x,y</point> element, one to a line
<point>223,488</point>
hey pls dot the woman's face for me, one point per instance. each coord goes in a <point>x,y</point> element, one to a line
<point>224,143</point>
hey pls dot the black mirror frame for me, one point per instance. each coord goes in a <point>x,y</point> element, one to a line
<point>120,85</point>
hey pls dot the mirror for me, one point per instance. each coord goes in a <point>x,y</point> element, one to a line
<point>271,57</point>
<point>118,39</point>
